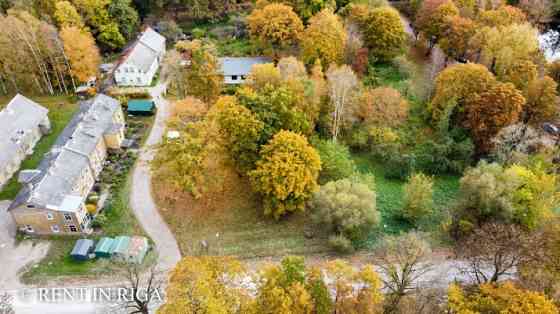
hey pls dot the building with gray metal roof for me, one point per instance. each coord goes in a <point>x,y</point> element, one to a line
<point>235,70</point>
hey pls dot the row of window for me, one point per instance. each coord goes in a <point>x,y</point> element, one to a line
<point>54,228</point>
<point>67,217</point>
<point>234,77</point>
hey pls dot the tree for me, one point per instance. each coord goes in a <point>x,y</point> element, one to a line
<point>542,101</point>
<point>324,39</point>
<point>262,75</point>
<point>354,291</point>
<point>502,16</point>
<point>126,17</point>
<point>485,121</point>
<point>110,36</point>
<point>202,77</point>
<point>346,207</point>
<point>432,18</point>
<point>418,197</point>
<point>538,11</point>
<point>282,289</point>
<point>286,175</point>
<point>81,51</point>
<point>241,131</point>
<point>456,38</point>
<point>343,85</point>
<point>455,84</point>
<point>383,106</point>
<point>67,15</point>
<point>553,70</point>
<point>205,284</point>
<point>307,9</point>
<point>275,26</point>
<point>498,298</point>
<point>384,33</point>
<point>290,68</point>
<point>521,73</point>
<point>514,194</point>
<point>146,288</point>
<point>336,161</point>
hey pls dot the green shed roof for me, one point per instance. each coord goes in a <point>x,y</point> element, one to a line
<point>105,246</point>
<point>121,245</point>
<point>140,105</point>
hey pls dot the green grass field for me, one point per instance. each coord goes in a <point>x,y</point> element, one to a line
<point>61,109</point>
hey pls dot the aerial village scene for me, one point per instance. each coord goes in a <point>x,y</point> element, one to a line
<point>280,156</point>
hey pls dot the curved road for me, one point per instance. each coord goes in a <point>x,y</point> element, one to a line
<point>141,200</point>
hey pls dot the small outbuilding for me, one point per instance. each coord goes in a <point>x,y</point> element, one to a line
<point>143,107</point>
<point>120,248</point>
<point>104,247</point>
<point>82,250</point>
<point>137,249</point>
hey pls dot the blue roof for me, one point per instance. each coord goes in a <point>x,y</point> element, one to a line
<point>146,105</point>
<point>240,66</point>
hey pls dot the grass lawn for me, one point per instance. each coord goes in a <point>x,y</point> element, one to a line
<point>61,109</point>
<point>390,197</point>
<point>120,221</point>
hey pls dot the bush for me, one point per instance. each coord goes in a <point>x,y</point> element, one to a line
<point>336,162</point>
<point>99,221</point>
<point>444,156</point>
<point>341,244</point>
<point>347,207</point>
<point>198,33</point>
<point>399,166</point>
<point>91,209</point>
<point>418,198</point>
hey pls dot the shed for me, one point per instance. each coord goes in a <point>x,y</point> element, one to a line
<point>137,249</point>
<point>120,247</point>
<point>104,247</point>
<point>141,107</point>
<point>82,249</point>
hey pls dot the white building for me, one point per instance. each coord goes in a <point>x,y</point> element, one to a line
<point>141,61</point>
<point>22,124</point>
<point>235,70</point>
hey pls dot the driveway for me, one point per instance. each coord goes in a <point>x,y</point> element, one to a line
<point>14,257</point>
<point>141,199</point>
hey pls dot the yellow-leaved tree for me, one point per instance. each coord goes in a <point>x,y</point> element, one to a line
<point>275,26</point>
<point>384,33</point>
<point>65,14</point>
<point>324,39</point>
<point>286,175</point>
<point>81,51</point>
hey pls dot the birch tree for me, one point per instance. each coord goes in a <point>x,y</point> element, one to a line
<point>343,85</point>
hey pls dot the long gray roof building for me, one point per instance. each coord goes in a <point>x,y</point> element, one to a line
<point>63,165</point>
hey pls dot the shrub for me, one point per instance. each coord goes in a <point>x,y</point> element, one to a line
<point>198,33</point>
<point>418,197</point>
<point>347,207</point>
<point>399,166</point>
<point>341,244</point>
<point>99,221</point>
<point>336,162</point>
<point>91,209</point>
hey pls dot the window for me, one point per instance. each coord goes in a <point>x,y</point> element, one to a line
<point>30,206</point>
<point>234,77</point>
<point>55,228</point>
<point>50,216</point>
<point>73,228</point>
<point>67,217</point>
<point>139,80</point>
<point>243,77</point>
<point>29,228</point>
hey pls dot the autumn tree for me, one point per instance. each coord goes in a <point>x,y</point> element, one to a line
<point>502,16</point>
<point>324,39</point>
<point>418,200</point>
<point>308,9</point>
<point>347,207</point>
<point>520,73</point>
<point>240,129</point>
<point>384,33</point>
<point>383,106</point>
<point>203,78</point>
<point>455,41</point>
<point>498,298</point>
<point>342,86</point>
<point>403,261</point>
<point>275,26</point>
<point>262,75</point>
<point>485,121</point>
<point>542,101</point>
<point>539,12</point>
<point>205,285</point>
<point>286,175</point>
<point>432,18</point>
<point>553,70</point>
<point>67,15</point>
<point>82,52</point>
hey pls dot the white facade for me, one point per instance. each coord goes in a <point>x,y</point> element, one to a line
<point>141,62</point>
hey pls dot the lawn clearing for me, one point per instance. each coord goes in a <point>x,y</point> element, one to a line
<point>61,110</point>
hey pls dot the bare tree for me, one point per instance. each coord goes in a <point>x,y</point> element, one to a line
<point>343,84</point>
<point>402,261</point>
<point>495,251</point>
<point>143,288</point>
<point>6,304</point>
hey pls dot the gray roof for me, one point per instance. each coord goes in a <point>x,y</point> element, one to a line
<point>62,166</point>
<point>82,247</point>
<point>20,115</point>
<point>240,66</point>
<point>146,49</point>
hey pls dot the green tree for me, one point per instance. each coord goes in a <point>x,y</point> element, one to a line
<point>286,175</point>
<point>336,161</point>
<point>347,207</point>
<point>126,17</point>
<point>418,197</point>
<point>323,39</point>
<point>110,36</point>
<point>384,33</point>
<point>241,131</point>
